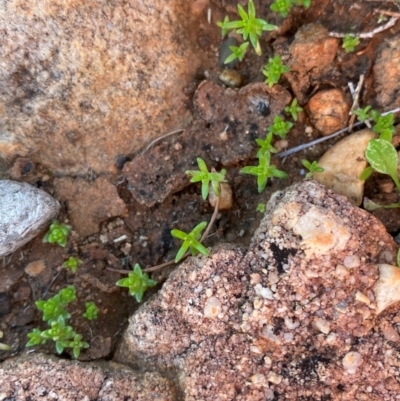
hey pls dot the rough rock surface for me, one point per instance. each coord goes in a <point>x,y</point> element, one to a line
<point>85,202</point>
<point>41,377</point>
<point>230,121</point>
<point>83,82</point>
<point>24,211</point>
<point>292,319</point>
<point>387,73</point>
<point>329,111</point>
<point>310,58</point>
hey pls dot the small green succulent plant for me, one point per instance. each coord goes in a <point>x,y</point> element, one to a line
<point>56,316</point>
<point>137,282</point>
<point>283,7</point>
<point>57,234</point>
<point>350,42</point>
<point>91,312</point>
<point>273,70</point>
<point>294,109</point>
<point>72,263</point>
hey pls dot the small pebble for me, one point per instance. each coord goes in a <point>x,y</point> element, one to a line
<point>281,144</point>
<point>231,78</point>
<point>33,269</point>
<point>226,197</point>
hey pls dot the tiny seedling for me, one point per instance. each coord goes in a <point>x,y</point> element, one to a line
<point>59,332</point>
<point>237,52</point>
<point>57,234</point>
<point>35,338</point>
<point>76,344</point>
<point>273,70</point>
<point>294,109</point>
<point>398,258</point>
<point>312,168</point>
<point>249,26</point>
<point>137,282</point>
<point>350,42</point>
<point>265,145</point>
<point>280,127</point>
<point>363,114</point>
<point>384,126</point>
<point>206,177</point>
<point>263,171</point>
<point>190,241</point>
<point>223,24</point>
<point>261,207</point>
<point>72,263</point>
<point>383,158</point>
<point>91,312</point>
<point>281,7</point>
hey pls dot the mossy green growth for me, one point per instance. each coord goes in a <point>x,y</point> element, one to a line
<point>137,282</point>
<point>57,234</point>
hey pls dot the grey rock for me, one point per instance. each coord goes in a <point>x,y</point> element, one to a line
<point>24,211</point>
<point>295,317</point>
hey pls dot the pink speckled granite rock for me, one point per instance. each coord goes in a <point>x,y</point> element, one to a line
<point>293,318</point>
<point>85,81</point>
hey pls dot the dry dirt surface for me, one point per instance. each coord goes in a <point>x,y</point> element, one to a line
<point>126,217</point>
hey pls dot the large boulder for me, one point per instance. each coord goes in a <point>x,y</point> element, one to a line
<point>84,82</point>
<point>301,315</point>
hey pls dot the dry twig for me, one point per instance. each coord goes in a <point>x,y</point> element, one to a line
<point>356,95</point>
<point>325,138</point>
<point>370,34</point>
